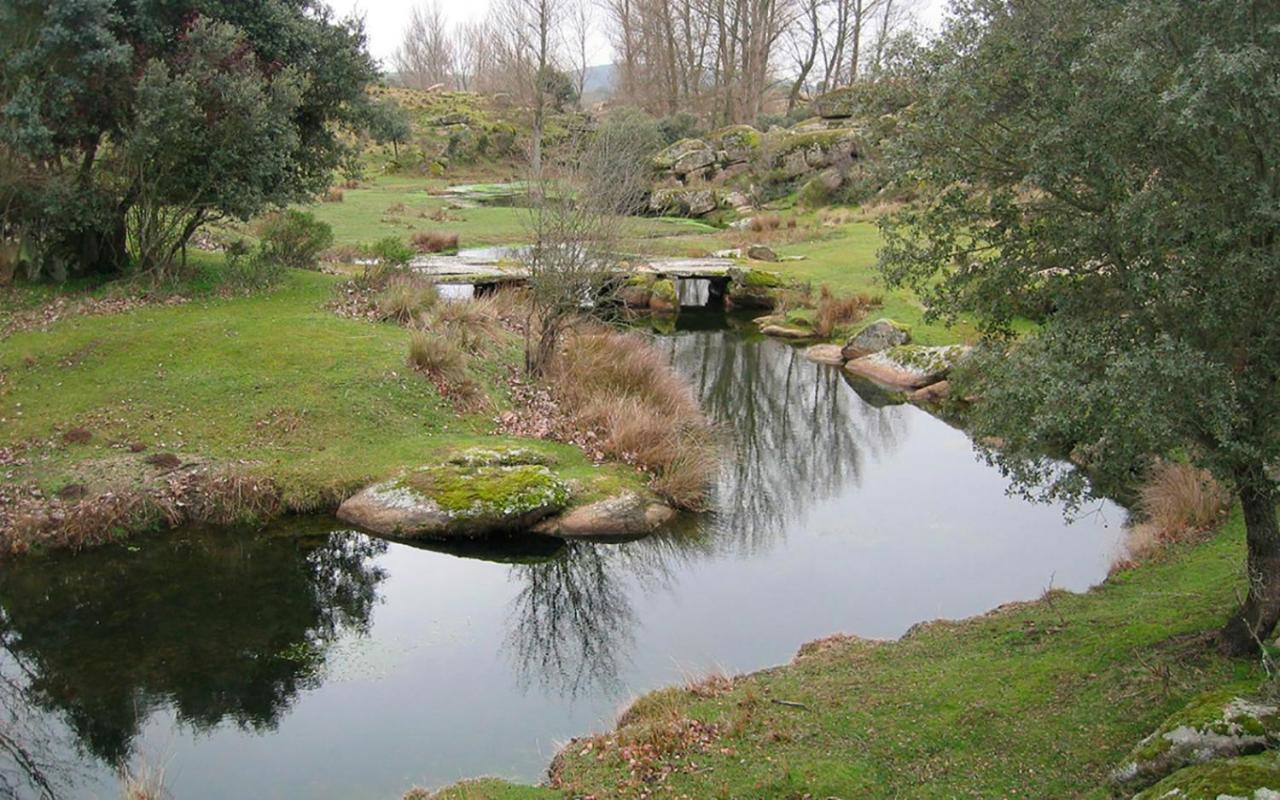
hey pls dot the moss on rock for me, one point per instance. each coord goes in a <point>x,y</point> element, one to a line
<point>489,493</point>
<point>1254,777</point>
<point>1216,725</point>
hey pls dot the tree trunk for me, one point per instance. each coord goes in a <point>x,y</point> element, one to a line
<point>1254,621</point>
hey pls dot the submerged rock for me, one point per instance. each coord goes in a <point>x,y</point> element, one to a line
<point>478,492</point>
<point>1255,777</point>
<point>908,366</point>
<point>874,337</point>
<point>624,515</point>
<point>1217,725</point>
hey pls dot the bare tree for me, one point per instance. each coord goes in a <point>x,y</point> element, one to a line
<point>426,53</point>
<point>577,217</point>
<point>581,19</point>
<point>531,30</point>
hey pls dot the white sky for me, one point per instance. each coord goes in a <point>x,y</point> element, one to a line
<point>385,19</point>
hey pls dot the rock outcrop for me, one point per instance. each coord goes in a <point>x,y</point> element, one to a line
<point>1218,725</point>
<point>874,337</point>
<point>825,354</point>
<point>908,367</point>
<point>622,516</point>
<point>1255,777</point>
<point>475,493</point>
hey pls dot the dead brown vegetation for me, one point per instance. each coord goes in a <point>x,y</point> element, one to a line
<point>431,242</point>
<point>1176,503</point>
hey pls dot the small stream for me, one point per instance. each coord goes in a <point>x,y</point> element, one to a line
<point>310,661</point>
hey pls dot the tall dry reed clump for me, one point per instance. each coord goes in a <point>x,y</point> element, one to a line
<point>405,298</point>
<point>620,385</point>
<point>1178,502</point>
<point>834,312</point>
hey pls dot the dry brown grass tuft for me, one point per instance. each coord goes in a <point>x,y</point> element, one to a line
<point>471,324</point>
<point>764,222</point>
<point>445,364</point>
<point>77,436</point>
<point>834,312</point>
<point>429,242</point>
<point>405,299</point>
<point>333,195</point>
<point>621,386</point>
<point>1178,502</point>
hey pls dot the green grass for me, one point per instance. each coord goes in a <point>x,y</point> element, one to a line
<point>1038,700</point>
<point>318,403</point>
<point>371,213</point>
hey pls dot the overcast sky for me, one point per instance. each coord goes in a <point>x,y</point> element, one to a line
<point>385,20</point>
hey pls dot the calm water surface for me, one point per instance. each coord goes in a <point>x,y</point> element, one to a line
<point>311,661</point>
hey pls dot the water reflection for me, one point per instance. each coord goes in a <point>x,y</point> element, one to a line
<point>215,627</point>
<point>798,434</point>
<point>572,623</point>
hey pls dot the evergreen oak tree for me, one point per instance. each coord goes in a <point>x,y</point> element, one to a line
<point>1111,167</point>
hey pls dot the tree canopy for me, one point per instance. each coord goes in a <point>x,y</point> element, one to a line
<point>216,108</point>
<point>1112,169</point>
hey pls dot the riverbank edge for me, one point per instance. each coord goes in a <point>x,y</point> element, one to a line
<point>1081,677</point>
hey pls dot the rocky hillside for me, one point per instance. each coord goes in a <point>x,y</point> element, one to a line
<point>738,166</point>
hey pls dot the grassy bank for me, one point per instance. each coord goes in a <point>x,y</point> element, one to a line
<point>274,385</point>
<point>1035,700</point>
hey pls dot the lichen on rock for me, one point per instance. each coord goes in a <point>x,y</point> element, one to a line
<point>908,366</point>
<point>1253,777</point>
<point>473,493</point>
<point>1217,725</point>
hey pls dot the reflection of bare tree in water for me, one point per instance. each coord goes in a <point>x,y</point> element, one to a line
<point>799,432</point>
<point>572,622</point>
<point>30,748</point>
<point>217,627</point>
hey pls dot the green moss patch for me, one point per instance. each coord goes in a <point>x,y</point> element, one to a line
<point>478,493</point>
<point>1253,777</point>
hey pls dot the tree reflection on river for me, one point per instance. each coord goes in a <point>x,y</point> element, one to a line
<point>797,433</point>
<point>217,627</point>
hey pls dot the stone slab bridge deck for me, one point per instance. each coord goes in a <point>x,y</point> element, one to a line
<point>490,273</point>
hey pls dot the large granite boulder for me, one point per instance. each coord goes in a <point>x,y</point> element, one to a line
<point>685,156</point>
<point>477,492</point>
<point>908,367</point>
<point>736,144</point>
<point>1254,777</point>
<point>874,337</point>
<point>683,202</point>
<point>1217,725</point>
<point>836,104</point>
<point>622,516</point>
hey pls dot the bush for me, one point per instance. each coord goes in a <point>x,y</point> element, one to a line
<point>637,127</point>
<point>680,125</point>
<point>391,256</point>
<point>248,270</point>
<point>294,239</point>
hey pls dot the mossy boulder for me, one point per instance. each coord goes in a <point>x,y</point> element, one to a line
<point>1253,777</point>
<point>753,289</point>
<point>685,156</point>
<point>735,144</point>
<point>622,516</point>
<point>1216,725</point>
<point>663,296</point>
<point>875,337</point>
<point>683,202</point>
<point>474,493</point>
<point>837,104</point>
<point>908,367</point>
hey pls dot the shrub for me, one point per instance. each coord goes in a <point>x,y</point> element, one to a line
<point>250,271</point>
<point>294,239</point>
<point>680,125</point>
<point>405,300</point>
<point>426,242</point>
<point>390,256</point>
